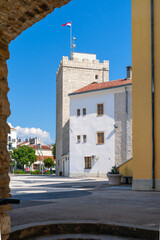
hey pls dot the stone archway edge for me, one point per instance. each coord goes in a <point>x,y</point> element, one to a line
<point>83,228</point>
<point>15,17</point>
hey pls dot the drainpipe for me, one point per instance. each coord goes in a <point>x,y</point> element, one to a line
<point>126,121</point>
<point>152,88</point>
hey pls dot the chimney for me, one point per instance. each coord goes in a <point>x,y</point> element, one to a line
<point>129,72</point>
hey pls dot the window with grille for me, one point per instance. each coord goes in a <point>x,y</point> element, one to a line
<point>87,161</point>
<point>78,138</point>
<point>100,137</point>
<point>100,109</point>
<point>78,112</point>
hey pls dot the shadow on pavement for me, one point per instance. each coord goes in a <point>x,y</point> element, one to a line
<point>28,199</point>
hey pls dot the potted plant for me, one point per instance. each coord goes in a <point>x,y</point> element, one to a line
<point>114,176</point>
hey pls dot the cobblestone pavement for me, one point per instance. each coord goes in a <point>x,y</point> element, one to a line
<point>58,199</point>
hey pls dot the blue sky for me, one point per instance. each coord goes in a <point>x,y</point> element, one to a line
<point>102,27</point>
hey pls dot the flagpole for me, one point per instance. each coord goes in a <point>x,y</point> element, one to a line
<point>71,38</point>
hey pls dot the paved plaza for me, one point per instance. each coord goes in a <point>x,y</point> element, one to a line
<point>82,236</point>
<point>51,199</point>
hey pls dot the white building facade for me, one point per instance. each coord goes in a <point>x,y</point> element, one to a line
<point>100,155</point>
<point>100,123</point>
<point>74,73</point>
<point>42,151</point>
<point>12,139</point>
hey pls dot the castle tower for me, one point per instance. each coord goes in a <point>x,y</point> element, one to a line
<point>80,70</point>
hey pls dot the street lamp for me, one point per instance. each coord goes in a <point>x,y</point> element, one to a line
<point>41,154</point>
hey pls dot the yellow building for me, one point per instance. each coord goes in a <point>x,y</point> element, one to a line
<point>146,71</point>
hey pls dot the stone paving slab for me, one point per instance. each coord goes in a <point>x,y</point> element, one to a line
<point>56,199</point>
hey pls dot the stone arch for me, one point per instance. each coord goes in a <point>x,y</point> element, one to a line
<point>15,17</point>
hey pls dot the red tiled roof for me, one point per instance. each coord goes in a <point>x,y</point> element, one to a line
<point>39,158</point>
<point>21,144</point>
<point>13,128</point>
<point>34,146</point>
<point>51,146</point>
<point>42,147</point>
<point>104,85</point>
<point>46,147</point>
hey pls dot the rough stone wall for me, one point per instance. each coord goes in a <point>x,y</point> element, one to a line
<point>129,127</point>
<point>76,74</point>
<point>59,96</point>
<point>4,129</point>
<point>120,122</point>
<point>15,17</point>
<point>18,15</point>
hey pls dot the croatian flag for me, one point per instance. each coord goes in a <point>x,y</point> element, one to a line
<point>67,24</point>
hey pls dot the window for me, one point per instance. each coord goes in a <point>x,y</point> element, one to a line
<point>100,137</point>
<point>100,109</point>
<point>84,111</point>
<point>84,138</point>
<point>87,161</point>
<point>10,146</point>
<point>78,112</point>
<point>96,76</point>
<point>78,138</point>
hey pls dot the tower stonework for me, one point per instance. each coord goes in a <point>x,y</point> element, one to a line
<point>80,70</point>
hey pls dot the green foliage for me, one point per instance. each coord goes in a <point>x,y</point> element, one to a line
<point>54,151</point>
<point>24,155</point>
<point>12,163</point>
<point>36,172</point>
<point>48,172</point>
<point>114,170</point>
<point>19,166</point>
<point>20,172</point>
<point>48,163</point>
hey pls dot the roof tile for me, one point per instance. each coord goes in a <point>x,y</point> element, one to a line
<point>104,85</point>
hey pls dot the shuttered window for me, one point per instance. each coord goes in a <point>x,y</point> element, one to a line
<point>78,112</point>
<point>100,137</point>
<point>100,109</point>
<point>87,161</point>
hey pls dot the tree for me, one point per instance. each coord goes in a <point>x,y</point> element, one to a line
<point>24,155</point>
<point>48,163</point>
<point>54,151</point>
<point>12,164</point>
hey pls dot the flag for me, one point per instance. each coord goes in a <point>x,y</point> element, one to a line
<point>67,24</point>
